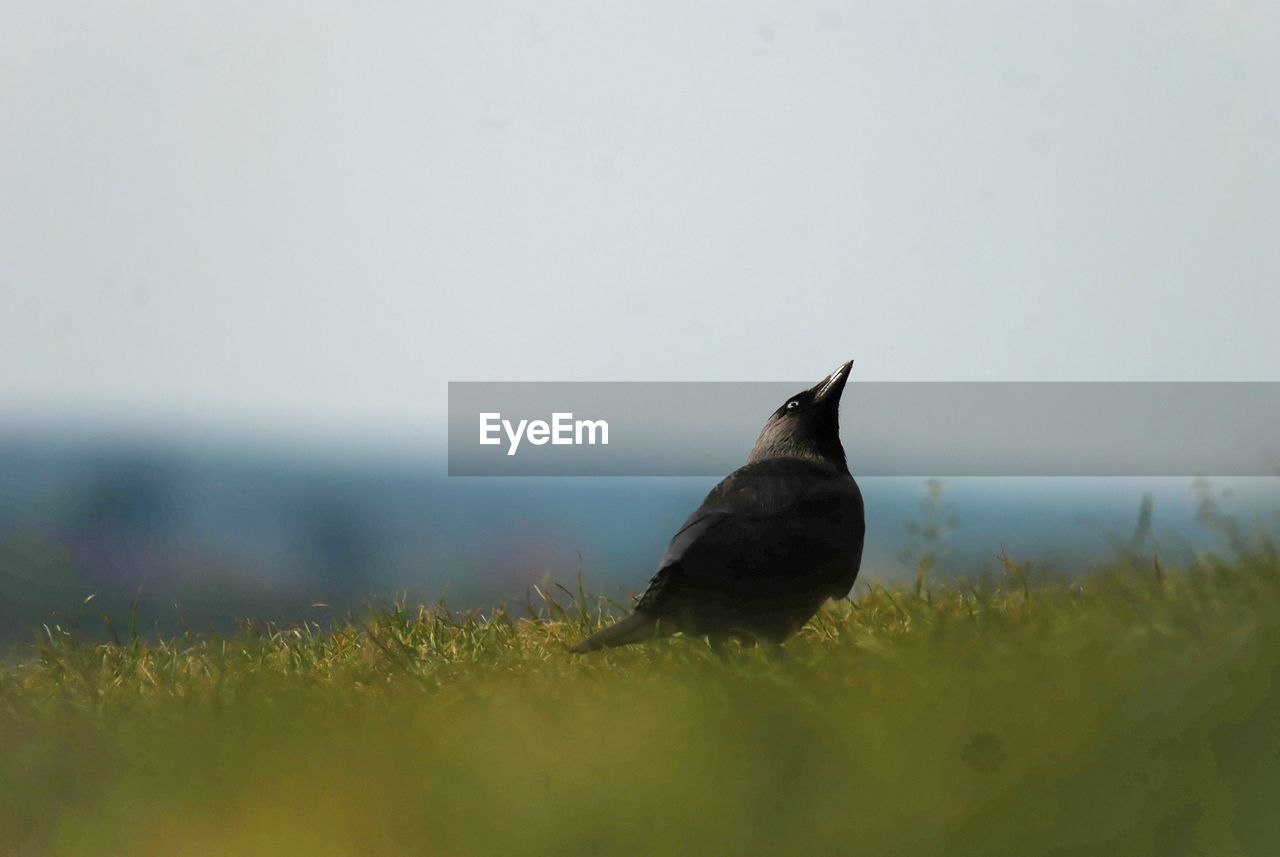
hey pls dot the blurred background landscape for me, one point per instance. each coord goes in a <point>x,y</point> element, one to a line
<point>205,535</point>
<point>243,250</point>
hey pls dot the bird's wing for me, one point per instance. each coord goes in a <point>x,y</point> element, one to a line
<point>670,576</point>
<point>752,523</point>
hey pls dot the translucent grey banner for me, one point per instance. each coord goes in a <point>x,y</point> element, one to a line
<point>888,429</point>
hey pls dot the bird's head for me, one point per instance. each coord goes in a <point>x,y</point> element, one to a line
<point>808,424</point>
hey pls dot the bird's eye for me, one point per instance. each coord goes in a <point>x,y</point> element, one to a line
<point>793,404</point>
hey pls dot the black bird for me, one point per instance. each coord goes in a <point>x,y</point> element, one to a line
<point>769,544</point>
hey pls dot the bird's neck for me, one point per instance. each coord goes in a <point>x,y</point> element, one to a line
<point>791,448</point>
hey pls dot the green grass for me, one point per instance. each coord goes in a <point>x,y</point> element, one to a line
<point>1136,711</point>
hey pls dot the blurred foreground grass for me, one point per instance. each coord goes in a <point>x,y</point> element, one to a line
<point>1132,712</point>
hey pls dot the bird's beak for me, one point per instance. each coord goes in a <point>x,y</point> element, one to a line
<point>830,388</point>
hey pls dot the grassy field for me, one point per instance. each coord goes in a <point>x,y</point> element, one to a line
<point>1132,712</point>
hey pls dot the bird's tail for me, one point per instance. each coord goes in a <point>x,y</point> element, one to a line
<point>636,627</point>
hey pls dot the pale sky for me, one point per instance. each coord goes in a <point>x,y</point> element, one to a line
<point>308,217</point>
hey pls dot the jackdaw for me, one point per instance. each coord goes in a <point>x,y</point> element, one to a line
<point>769,544</point>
